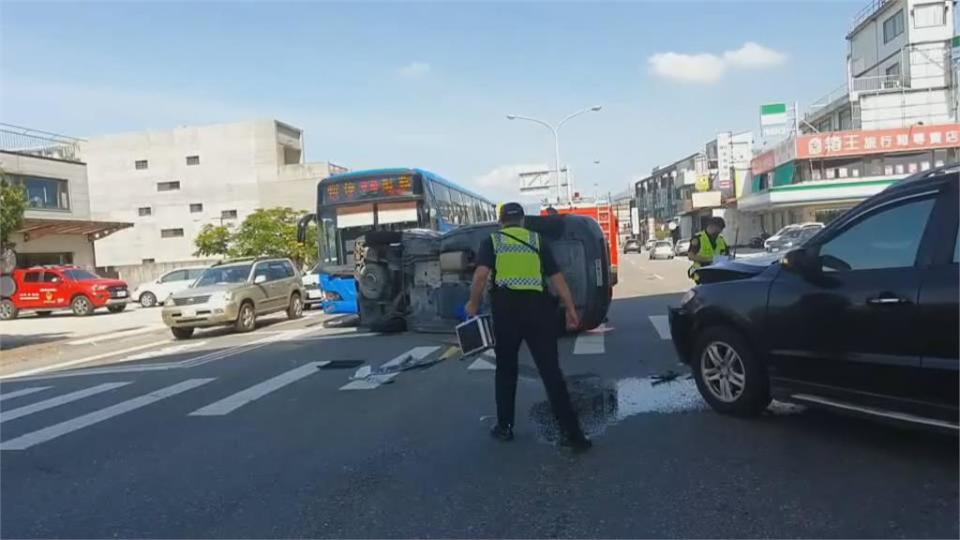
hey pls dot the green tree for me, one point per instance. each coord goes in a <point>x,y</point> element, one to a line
<point>13,203</point>
<point>270,232</point>
<point>213,240</point>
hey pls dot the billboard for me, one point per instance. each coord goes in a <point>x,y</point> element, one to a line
<point>877,141</point>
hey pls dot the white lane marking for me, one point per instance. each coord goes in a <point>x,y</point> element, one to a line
<point>52,432</point>
<point>589,343</point>
<point>658,276</point>
<point>190,362</point>
<point>369,383</point>
<point>23,392</point>
<point>661,325</point>
<point>166,351</point>
<point>481,364</point>
<point>415,354</point>
<point>58,400</point>
<point>116,335</point>
<point>84,360</point>
<point>257,391</point>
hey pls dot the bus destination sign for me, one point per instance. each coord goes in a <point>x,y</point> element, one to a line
<point>369,188</point>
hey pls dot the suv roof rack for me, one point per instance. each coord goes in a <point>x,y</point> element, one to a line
<point>244,259</point>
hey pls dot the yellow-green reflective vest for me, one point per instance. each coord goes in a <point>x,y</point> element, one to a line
<point>517,264</point>
<point>707,249</point>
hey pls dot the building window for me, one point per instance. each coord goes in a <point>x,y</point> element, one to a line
<point>171,233</point>
<point>893,70</point>
<point>193,160</point>
<point>144,211</point>
<point>43,193</point>
<point>147,261</point>
<point>927,15</point>
<point>893,26</point>
<point>196,207</point>
<point>168,186</point>
<point>228,214</point>
<point>140,164</point>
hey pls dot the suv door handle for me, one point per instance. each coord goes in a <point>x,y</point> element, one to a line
<point>886,299</point>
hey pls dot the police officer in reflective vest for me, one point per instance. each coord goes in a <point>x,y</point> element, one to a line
<point>523,311</point>
<point>706,245</point>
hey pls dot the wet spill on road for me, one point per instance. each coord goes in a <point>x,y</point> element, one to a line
<point>602,403</point>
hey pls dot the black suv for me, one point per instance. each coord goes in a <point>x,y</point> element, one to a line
<point>863,318</point>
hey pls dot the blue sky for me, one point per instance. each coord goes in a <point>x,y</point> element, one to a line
<point>428,84</point>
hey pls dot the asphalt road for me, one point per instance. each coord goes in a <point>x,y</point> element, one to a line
<point>255,436</point>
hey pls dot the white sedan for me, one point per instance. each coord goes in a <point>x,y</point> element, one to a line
<point>663,249</point>
<point>152,293</point>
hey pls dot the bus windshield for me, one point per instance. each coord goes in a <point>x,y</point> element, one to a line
<point>353,204</point>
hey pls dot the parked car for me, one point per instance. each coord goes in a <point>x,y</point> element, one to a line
<point>236,293</point>
<point>650,243</point>
<point>663,249</point>
<point>777,235</point>
<point>311,287</point>
<point>48,288</point>
<point>794,238</point>
<point>631,245</point>
<point>156,292</point>
<point>863,318</point>
<point>682,248</point>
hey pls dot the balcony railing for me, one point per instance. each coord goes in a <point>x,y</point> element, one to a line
<point>876,83</point>
<point>39,143</point>
<point>814,108</point>
<point>872,7</point>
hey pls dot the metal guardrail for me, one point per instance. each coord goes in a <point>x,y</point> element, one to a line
<point>34,142</point>
<point>866,11</point>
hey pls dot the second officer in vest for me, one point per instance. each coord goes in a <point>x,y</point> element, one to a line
<point>706,245</point>
<point>523,311</point>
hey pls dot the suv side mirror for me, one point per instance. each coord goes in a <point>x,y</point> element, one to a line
<point>259,278</point>
<point>801,261</point>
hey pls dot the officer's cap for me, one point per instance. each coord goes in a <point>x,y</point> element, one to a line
<point>511,211</point>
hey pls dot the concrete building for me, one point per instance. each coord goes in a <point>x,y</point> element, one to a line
<point>680,197</point>
<point>172,183</point>
<point>900,70</point>
<point>895,116</point>
<point>57,226</point>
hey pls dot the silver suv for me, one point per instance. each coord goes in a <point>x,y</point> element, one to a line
<point>235,293</point>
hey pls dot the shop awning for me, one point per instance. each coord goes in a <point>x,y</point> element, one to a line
<point>34,228</point>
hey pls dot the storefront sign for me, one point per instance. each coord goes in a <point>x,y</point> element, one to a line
<point>878,141</point>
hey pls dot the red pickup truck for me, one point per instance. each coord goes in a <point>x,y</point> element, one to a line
<point>48,288</point>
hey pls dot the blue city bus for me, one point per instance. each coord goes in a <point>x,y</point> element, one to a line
<point>352,204</point>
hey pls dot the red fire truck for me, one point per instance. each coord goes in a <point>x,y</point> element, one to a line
<point>602,213</point>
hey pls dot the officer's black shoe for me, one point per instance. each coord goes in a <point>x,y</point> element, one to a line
<point>503,433</point>
<point>578,443</point>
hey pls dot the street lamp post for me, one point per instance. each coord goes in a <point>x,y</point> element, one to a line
<point>556,142</point>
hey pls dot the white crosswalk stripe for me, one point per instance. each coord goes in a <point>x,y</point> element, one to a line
<point>257,391</point>
<point>57,430</point>
<point>661,325</point>
<point>58,400</point>
<point>22,392</point>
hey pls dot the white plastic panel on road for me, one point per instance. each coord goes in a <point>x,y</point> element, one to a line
<point>58,430</point>
<point>257,391</point>
<point>58,400</point>
<point>661,325</point>
<point>22,392</point>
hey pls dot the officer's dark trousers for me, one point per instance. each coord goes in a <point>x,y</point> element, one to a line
<point>532,318</point>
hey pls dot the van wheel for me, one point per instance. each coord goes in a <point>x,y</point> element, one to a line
<point>728,374</point>
<point>8,311</point>
<point>247,318</point>
<point>295,309</point>
<point>81,306</point>
<point>182,333</point>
